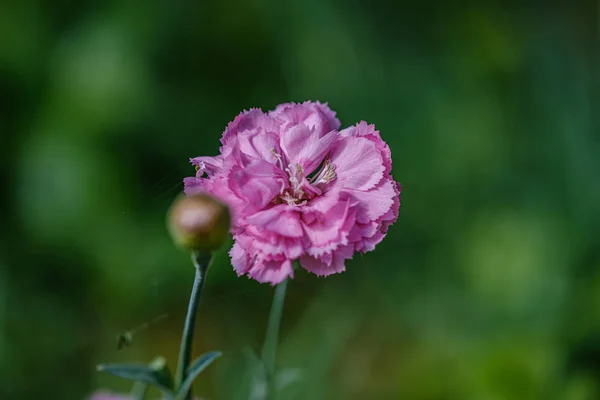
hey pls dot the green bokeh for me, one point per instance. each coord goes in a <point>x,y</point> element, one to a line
<point>487,287</point>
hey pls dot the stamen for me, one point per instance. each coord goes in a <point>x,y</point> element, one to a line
<point>295,194</point>
<point>327,173</point>
<point>278,156</point>
<point>282,187</point>
<point>292,177</point>
<point>289,199</point>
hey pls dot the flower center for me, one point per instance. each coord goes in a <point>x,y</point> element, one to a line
<point>302,189</point>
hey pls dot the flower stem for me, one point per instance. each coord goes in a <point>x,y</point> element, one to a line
<point>201,262</point>
<point>138,392</point>
<point>270,346</point>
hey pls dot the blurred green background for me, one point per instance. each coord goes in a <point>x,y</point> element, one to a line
<point>487,287</point>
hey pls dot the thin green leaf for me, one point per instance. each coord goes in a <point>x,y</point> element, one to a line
<point>157,376</point>
<point>286,377</point>
<point>197,366</point>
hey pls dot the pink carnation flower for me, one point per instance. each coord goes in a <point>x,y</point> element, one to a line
<point>300,189</point>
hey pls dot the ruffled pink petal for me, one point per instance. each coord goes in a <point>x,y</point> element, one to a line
<point>366,236</point>
<point>255,118</point>
<point>362,129</point>
<point>258,184</point>
<point>331,231</point>
<point>319,206</point>
<point>328,264</point>
<point>369,243</point>
<point>257,144</point>
<point>271,271</point>
<point>268,246</point>
<point>392,215</point>
<point>280,219</point>
<point>208,165</point>
<point>192,185</point>
<point>334,123</point>
<point>278,246</point>
<point>361,231</point>
<point>240,259</point>
<point>313,153</point>
<point>318,117</point>
<point>249,120</point>
<point>358,163</point>
<point>374,203</point>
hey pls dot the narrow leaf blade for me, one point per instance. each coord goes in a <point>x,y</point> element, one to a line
<point>140,373</point>
<point>197,366</point>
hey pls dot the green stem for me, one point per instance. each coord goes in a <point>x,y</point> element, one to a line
<point>270,346</point>
<point>138,391</point>
<point>201,262</point>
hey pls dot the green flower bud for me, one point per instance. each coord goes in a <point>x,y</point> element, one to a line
<point>198,223</point>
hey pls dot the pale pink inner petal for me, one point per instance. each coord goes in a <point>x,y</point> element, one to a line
<point>249,120</point>
<point>317,117</point>
<point>358,163</point>
<point>348,132</point>
<point>307,147</point>
<point>261,145</point>
<point>280,219</point>
<point>313,153</point>
<point>319,206</point>
<point>258,184</point>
